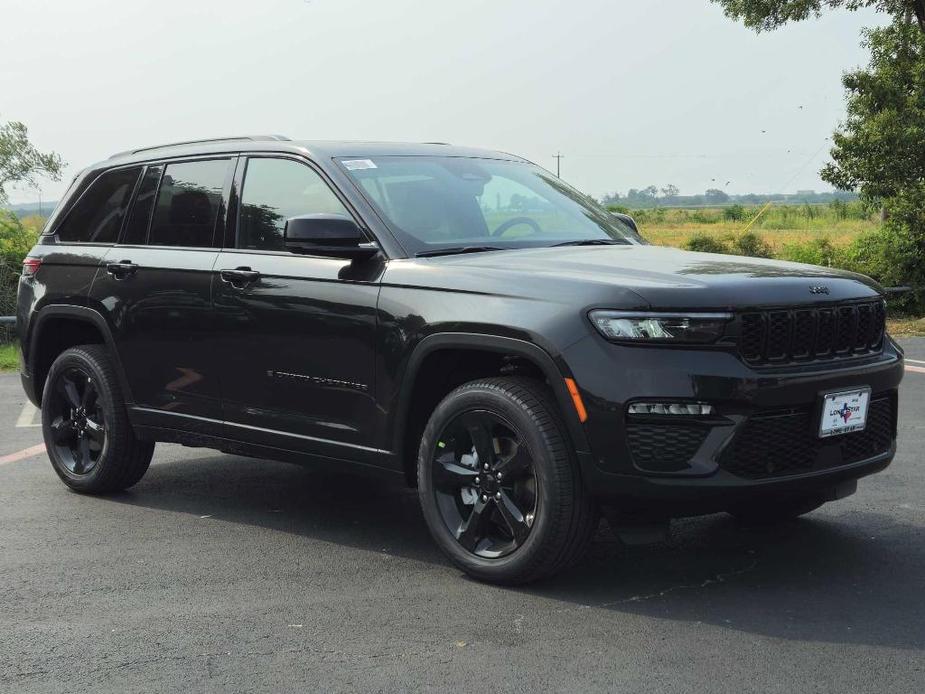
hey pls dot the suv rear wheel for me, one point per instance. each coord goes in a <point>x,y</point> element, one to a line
<point>498,484</point>
<point>89,439</point>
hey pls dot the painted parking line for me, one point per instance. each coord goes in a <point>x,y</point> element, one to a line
<point>915,369</point>
<point>23,454</point>
<point>915,361</point>
<point>27,418</point>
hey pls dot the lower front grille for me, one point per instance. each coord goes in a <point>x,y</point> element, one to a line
<point>786,443</point>
<point>664,447</point>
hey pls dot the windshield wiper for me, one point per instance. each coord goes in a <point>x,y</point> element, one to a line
<point>457,250</point>
<point>590,242</point>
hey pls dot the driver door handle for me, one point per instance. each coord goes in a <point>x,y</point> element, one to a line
<point>122,269</point>
<point>239,277</point>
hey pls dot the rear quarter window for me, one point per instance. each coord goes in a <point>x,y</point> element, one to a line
<point>97,215</point>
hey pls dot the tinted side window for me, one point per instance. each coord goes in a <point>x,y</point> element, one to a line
<point>97,216</point>
<point>136,229</point>
<point>188,202</point>
<point>274,190</point>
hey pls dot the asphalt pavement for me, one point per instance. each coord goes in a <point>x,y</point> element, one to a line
<point>220,573</point>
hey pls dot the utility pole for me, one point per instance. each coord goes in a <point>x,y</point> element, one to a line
<point>558,157</point>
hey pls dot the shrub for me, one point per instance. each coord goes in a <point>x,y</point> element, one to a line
<point>734,213</point>
<point>816,252</point>
<point>622,209</point>
<point>751,244</point>
<point>893,258</point>
<point>703,217</point>
<point>705,244</point>
<point>839,209</point>
<point>16,239</point>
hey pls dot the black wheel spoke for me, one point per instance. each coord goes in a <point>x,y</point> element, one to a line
<point>71,394</point>
<point>63,431</point>
<point>479,432</point>
<point>516,465</point>
<point>513,518</point>
<point>95,431</point>
<point>472,530</point>
<point>450,476</point>
<point>89,396</point>
<point>82,459</point>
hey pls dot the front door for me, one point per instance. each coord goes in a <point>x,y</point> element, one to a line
<point>297,332</point>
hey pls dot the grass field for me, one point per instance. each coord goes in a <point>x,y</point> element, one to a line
<point>778,226</point>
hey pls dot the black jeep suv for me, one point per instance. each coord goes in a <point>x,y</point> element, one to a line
<point>459,317</point>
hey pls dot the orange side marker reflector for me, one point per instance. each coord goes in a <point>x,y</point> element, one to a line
<point>576,400</point>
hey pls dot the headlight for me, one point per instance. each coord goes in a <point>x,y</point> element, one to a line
<point>672,328</point>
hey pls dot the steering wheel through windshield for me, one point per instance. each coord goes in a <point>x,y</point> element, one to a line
<point>515,221</point>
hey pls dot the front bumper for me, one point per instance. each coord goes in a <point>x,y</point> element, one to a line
<point>702,465</point>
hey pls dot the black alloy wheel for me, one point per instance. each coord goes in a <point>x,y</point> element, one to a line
<point>499,485</point>
<point>78,424</point>
<point>484,484</point>
<point>90,441</point>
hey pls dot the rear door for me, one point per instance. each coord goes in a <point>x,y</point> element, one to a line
<point>87,232</point>
<point>156,287</point>
<point>297,344</point>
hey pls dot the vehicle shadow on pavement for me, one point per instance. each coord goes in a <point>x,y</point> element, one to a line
<point>834,576</point>
<point>837,576</point>
<point>367,512</point>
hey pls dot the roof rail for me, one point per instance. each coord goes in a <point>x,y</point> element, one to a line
<point>251,138</point>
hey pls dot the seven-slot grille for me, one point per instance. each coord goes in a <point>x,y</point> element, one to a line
<point>830,332</point>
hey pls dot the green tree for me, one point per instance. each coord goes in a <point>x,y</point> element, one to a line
<point>763,15</point>
<point>21,162</point>
<point>670,191</point>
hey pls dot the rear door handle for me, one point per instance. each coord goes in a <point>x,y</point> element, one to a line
<point>122,269</point>
<point>239,277</point>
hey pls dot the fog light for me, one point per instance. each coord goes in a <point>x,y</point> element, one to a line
<point>698,409</point>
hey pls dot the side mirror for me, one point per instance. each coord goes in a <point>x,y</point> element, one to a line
<point>334,235</point>
<point>627,220</point>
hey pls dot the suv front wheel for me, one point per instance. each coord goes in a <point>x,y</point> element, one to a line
<point>498,484</point>
<point>87,434</point>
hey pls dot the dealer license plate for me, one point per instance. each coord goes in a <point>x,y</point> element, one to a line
<point>844,412</point>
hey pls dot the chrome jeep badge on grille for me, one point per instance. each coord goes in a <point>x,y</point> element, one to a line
<point>819,289</point>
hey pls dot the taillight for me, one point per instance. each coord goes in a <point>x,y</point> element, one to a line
<point>30,266</point>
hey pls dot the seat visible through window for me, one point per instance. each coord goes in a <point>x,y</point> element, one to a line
<point>188,203</point>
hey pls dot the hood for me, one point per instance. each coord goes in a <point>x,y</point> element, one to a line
<point>643,276</point>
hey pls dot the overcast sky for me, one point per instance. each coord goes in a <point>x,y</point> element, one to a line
<point>632,93</point>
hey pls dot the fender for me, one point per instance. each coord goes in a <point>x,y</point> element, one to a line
<point>554,373</point>
<point>87,315</point>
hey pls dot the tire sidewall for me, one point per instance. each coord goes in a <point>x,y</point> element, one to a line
<point>496,402</point>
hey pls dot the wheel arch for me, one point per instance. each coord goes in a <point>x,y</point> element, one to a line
<point>68,327</point>
<point>490,351</point>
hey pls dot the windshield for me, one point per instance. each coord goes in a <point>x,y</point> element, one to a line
<point>445,203</point>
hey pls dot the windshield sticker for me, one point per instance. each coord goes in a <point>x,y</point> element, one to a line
<point>355,164</point>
